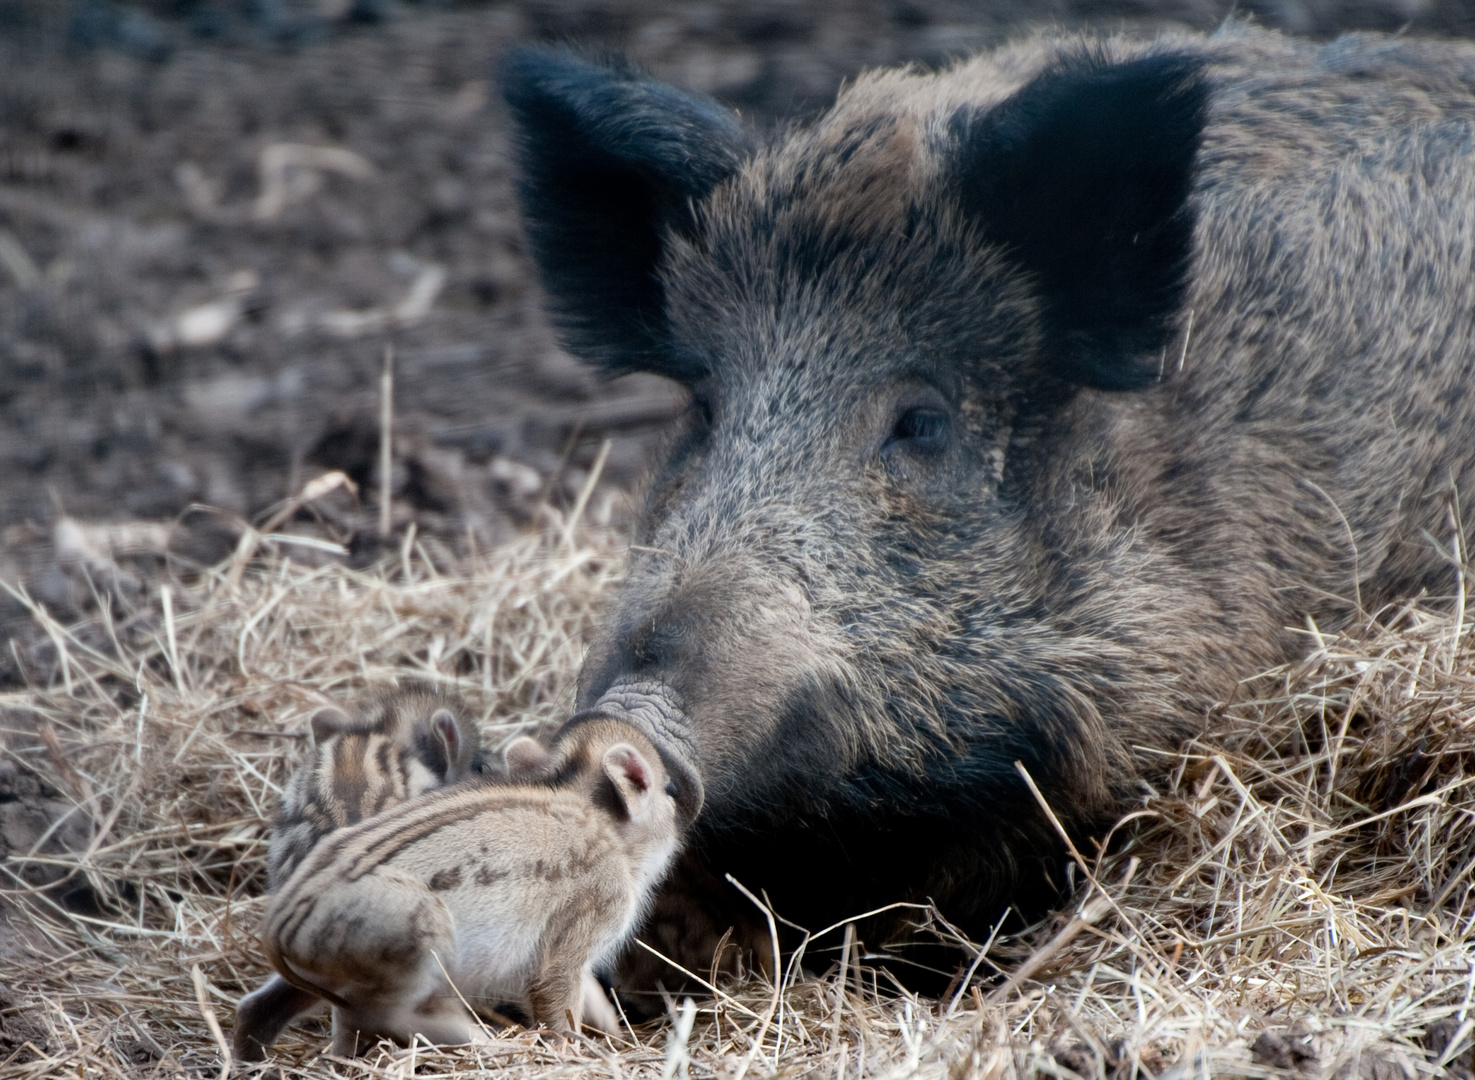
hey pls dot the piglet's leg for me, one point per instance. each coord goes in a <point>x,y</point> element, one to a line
<point>555,994</point>
<point>441,1021</point>
<point>598,1012</point>
<point>349,1035</point>
<point>263,1013</point>
<point>373,943</point>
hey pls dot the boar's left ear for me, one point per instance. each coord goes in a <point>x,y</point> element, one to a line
<point>1083,176</point>
<point>609,159</point>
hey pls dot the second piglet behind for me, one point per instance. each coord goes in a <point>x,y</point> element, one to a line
<point>481,895</point>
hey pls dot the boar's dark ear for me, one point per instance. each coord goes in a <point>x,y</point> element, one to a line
<point>608,159</point>
<point>1084,177</point>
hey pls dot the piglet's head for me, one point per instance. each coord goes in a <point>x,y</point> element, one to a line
<point>615,763</point>
<point>416,723</point>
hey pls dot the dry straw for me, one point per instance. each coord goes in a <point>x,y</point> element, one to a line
<point>1294,898</point>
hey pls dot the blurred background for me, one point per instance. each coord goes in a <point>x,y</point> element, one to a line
<point>217,215</point>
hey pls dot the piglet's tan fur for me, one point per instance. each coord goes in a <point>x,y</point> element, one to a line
<point>396,746</point>
<point>492,893</point>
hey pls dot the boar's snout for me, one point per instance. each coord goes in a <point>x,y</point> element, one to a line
<point>718,642</point>
<point>650,708</point>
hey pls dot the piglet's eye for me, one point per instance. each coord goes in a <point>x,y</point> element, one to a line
<point>921,429</point>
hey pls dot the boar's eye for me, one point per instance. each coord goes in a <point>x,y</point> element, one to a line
<point>921,429</point>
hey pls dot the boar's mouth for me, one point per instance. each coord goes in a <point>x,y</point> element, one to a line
<point>651,709</point>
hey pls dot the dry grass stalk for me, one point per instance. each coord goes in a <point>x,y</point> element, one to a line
<point>1306,869</point>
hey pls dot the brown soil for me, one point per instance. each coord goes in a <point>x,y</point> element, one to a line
<point>194,308</point>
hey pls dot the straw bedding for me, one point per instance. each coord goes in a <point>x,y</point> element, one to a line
<point>1295,899</point>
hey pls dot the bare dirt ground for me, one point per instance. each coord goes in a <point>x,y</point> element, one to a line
<point>215,215</point>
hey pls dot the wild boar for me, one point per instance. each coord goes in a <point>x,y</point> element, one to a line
<point>1034,404</point>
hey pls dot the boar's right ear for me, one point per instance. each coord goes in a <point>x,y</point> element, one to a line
<point>608,160</point>
<point>1083,177</point>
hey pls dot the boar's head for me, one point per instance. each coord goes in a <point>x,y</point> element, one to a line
<point>865,581</point>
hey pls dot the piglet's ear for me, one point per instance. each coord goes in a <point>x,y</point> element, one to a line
<point>1083,177</point>
<point>443,743</point>
<point>632,776</point>
<point>327,722</point>
<point>527,758</point>
<point>608,160</point>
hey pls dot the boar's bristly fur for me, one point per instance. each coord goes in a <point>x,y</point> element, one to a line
<point>1035,404</point>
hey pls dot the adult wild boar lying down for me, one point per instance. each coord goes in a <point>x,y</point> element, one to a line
<point>1035,403</point>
